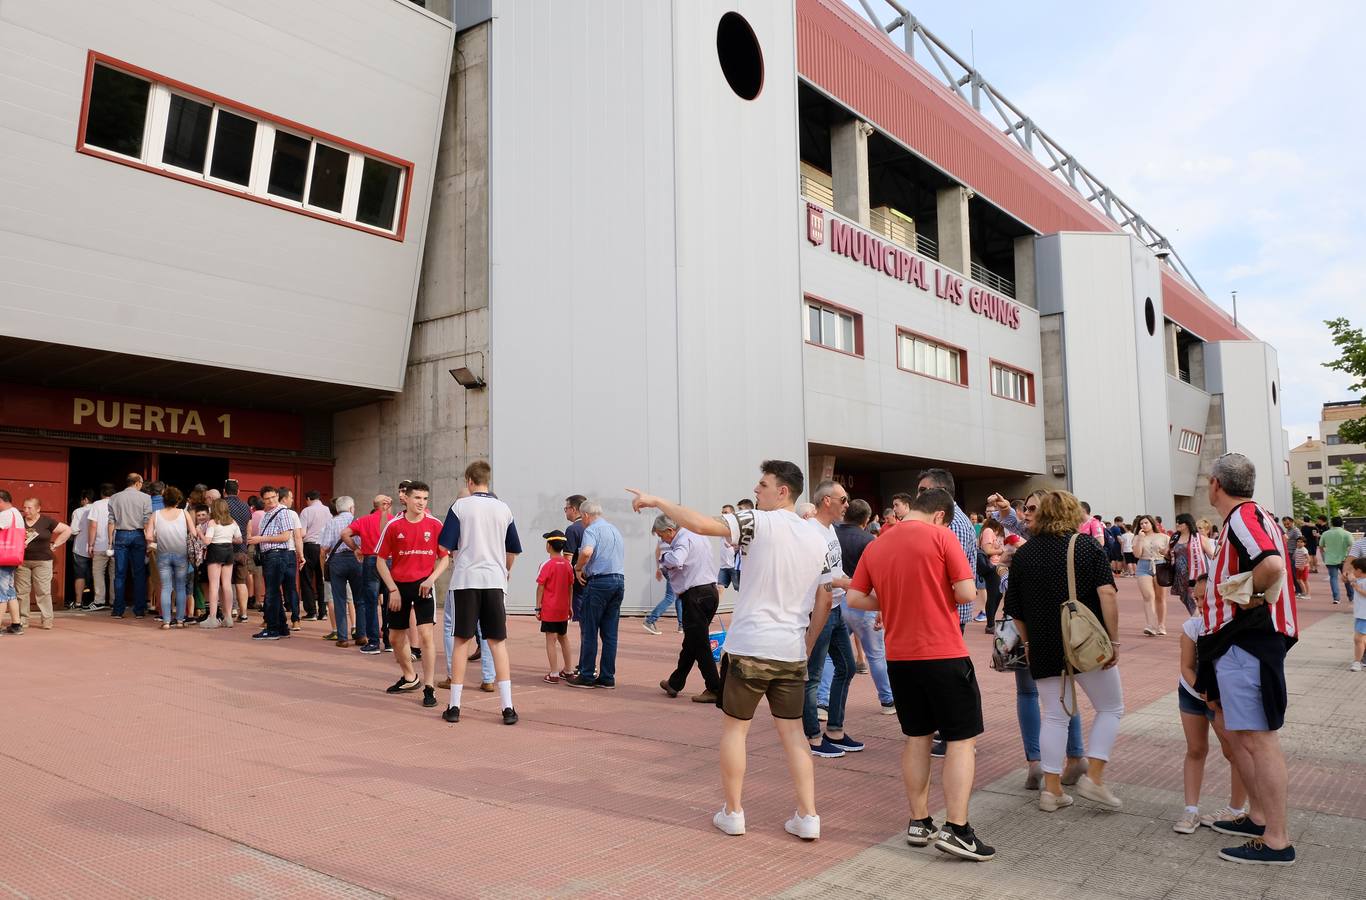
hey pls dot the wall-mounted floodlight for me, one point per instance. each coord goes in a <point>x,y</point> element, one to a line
<point>467,379</point>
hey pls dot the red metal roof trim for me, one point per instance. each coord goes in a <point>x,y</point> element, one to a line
<point>846,56</point>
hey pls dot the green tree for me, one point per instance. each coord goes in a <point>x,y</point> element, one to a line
<point>1304,506</point>
<point>1351,343</point>
<point>1350,496</point>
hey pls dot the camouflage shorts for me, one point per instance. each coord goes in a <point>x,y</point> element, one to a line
<point>746,679</point>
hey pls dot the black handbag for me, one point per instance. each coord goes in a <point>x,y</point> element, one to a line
<point>1165,572</point>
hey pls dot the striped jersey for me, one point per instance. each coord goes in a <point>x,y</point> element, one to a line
<point>1250,535</point>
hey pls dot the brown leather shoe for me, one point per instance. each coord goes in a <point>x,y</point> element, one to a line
<point>343,643</point>
<point>487,687</point>
<point>704,697</point>
<point>444,683</point>
<point>664,686</point>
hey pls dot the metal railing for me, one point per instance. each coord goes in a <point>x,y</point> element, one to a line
<point>903,233</point>
<point>997,283</point>
<point>959,74</point>
<point>814,190</point>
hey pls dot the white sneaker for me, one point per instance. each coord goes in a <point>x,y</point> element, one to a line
<point>729,822</point>
<point>1050,802</point>
<point>808,828</point>
<point>1355,666</point>
<point>1188,822</point>
<point>1097,793</point>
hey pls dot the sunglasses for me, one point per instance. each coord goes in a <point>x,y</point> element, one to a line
<point>1033,507</point>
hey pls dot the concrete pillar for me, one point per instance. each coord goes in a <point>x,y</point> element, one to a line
<point>1169,342</point>
<point>955,250</point>
<point>1024,271</point>
<point>1195,353</point>
<point>849,162</point>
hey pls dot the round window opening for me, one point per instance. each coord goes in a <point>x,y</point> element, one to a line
<point>1273,392</point>
<point>742,62</point>
<point>1150,315</point>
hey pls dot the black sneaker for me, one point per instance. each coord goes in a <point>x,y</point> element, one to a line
<point>403,684</point>
<point>370,649</point>
<point>429,697</point>
<point>510,718</point>
<point>15,628</point>
<point>417,654</point>
<point>963,843</point>
<point>265,635</point>
<point>937,749</point>
<point>920,832</point>
<point>452,714</point>
<point>579,681</point>
<point>474,657</point>
<point>1241,826</point>
<point>1256,852</point>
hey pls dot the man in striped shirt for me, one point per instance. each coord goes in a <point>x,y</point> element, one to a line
<point>1246,646</point>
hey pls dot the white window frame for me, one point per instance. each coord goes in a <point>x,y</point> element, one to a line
<point>823,309</point>
<point>1011,383</point>
<point>1190,441</point>
<point>926,356</point>
<point>148,116</point>
<point>346,186</point>
<point>219,109</point>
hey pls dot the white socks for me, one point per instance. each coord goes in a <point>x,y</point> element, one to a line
<point>505,694</point>
<point>456,691</point>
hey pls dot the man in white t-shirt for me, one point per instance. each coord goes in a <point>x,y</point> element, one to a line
<point>99,530</point>
<point>783,604</point>
<point>830,500</point>
<point>80,548</point>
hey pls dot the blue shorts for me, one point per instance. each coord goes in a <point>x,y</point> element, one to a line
<point>1361,626</point>
<point>1240,690</point>
<point>728,577</point>
<point>7,592</point>
<point>1192,705</point>
<point>1145,567</point>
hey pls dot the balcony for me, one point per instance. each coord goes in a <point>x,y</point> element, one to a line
<point>998,283</point>
<point>902,231</point>
<point>817,192</point>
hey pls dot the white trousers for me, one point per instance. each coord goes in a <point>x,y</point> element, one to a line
<point>1106,693</point>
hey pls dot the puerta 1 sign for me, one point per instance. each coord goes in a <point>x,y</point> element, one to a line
<point>890,259</point>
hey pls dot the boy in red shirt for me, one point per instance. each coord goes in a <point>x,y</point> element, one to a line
<point>919,574</point>
<point>553,585</point>
<point>410,540</point>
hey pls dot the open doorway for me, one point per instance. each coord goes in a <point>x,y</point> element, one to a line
<point>185,471</point>
<point>88,468</point>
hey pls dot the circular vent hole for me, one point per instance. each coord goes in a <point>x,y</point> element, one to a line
<point>1150,315</point>
<point>742,62</point>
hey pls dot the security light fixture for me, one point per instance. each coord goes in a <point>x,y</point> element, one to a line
<point>466,378</point>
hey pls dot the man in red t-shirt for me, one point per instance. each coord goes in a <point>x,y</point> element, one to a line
<point>360,537</point>
<point>917,575</point>
<point>418,560</point>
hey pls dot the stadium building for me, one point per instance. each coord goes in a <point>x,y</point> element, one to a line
<point>333,245</point>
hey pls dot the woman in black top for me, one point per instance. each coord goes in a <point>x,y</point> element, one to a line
<point>1038,586</point>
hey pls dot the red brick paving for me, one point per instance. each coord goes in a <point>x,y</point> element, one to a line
<point>158,763</point>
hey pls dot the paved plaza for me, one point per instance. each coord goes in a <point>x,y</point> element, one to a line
<point>203,764</point>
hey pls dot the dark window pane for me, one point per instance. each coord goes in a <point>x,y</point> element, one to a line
<point>187,134</point>
<point>117,114</point>
<point>329,178</point>
<point>378,194</point>
<point>233,144</point>
<point>288,166</point>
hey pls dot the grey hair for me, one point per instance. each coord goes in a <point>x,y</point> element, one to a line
<point>663,523</point>
<point>1236,474</point>
<point>345,504</point>
<point>823,490</point>
<point>590,508</point>
<point>806,510</point>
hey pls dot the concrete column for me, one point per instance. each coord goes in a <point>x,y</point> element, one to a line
<point>1024,271</point>
<point>955,250</point>
<point>849,162</point>
<point>1169,344</point>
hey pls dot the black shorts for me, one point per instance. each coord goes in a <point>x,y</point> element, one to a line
<point>936,695</point>
<point>1130,559</point>
<point>218,553</point>
<point>482,606</point>
<point>425,607</point>
<point>81,567</point>
<point>553,628</point>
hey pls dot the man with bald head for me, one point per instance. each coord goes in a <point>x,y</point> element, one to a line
<point>362,538</point>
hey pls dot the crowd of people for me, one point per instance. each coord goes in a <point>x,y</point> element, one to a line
<point>825,591</point>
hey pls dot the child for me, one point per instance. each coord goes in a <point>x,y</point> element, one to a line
<point>1358,574</point>
<point>1302,569</point>
<point>1196,720</point>
<point>553,584</point>
<point>1126,546</point>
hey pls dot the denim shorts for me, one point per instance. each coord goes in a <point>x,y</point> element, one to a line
<point>7,591</point>
<point>1240,690</point>
<point>728,577</point>
<point>1361,626</point>
<point>1192,705</point>
<point>1145,567</point>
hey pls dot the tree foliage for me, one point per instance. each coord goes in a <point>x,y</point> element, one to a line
<point>1305,507</point>
<point>1350,496</point>
<point>1351,344</point>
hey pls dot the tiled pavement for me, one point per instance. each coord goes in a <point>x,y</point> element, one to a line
<point>191,763</point>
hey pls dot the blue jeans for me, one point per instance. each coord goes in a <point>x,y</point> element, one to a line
<point>130,558</point>
<point>859,622</point>
<point>669,600</point>
<point>602,597</point>
<point>1027,711</point>
<point>1335,582</point>
<point>344,569</point>
<point>172,568</point>
<point>834,643</point>
<point>367,607</point>
<point>280,569</point>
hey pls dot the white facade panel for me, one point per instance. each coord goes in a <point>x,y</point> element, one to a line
<point>872,404</point>
<point>103,254</point>
<point>1150,353</point>
<point>1187,411</point>
<point>1248,375</point>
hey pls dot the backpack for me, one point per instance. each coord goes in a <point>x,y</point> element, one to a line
<point>1085,642</point>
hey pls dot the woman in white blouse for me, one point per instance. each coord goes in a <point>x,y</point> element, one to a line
<point>1150,548</point>
<point>220,533</point>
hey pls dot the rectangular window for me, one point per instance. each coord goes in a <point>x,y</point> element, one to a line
<point>1011,383</point>
<point>147,121</point>
<point>1332,440</point>
<point>328,184</point>
<point>379,183</point>
<point>926,356</point>
<point>1315,464</point>
<point>289,166</point>
<point>1190,441</point>
<point>1334,479</point>
<point>1344,457</point>
<point>834,327</point>
<point>1317,495</point>
<point>234,144</point>
<point>116,115</point>
<point>1316,479</point>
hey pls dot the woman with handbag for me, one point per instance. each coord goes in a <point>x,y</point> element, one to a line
<point>1179,557</point>
<point>1150,548</point>
<point>1052,575</point>
<point>12,533</point>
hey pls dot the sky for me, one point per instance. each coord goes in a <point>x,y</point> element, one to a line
<point>1235,129</point>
